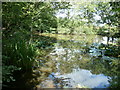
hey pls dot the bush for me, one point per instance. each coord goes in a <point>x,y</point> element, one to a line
<point>18,52</point>
<point>8,73</point>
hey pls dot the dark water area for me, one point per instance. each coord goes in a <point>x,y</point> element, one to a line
<point>81,62</point>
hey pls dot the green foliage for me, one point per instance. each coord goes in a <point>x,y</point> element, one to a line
<point>16,16</point>
<point>73,26</point>
<point>28,16</point>
<point>112,51</point>
<point>109,13</point>
<point>44,18</point>
<point>8,73</point>
<point>19,52</point>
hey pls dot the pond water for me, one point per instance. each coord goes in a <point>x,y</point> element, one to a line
<point>80,62</point>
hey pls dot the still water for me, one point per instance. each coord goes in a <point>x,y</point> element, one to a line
<point>79,62</point>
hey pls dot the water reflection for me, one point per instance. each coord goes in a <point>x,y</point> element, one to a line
<point>86,78</point>
<point>80,62</point>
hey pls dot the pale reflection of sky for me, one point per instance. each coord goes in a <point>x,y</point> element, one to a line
<point>86,78</point>
<point>104,41</point>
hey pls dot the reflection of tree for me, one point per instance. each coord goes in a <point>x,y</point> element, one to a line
<point>115,70</point>
<point>79,57</point>
<point>65,67</point>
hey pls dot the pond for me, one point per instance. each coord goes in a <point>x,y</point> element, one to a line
<point>81,62</point>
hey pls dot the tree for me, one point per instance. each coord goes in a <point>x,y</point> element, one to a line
<point>116,9</point>
<point>28,16</point>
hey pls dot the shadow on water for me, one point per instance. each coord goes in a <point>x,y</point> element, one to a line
<point>83,62</point>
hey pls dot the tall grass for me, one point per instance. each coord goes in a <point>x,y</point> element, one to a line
<point>18,52</point>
